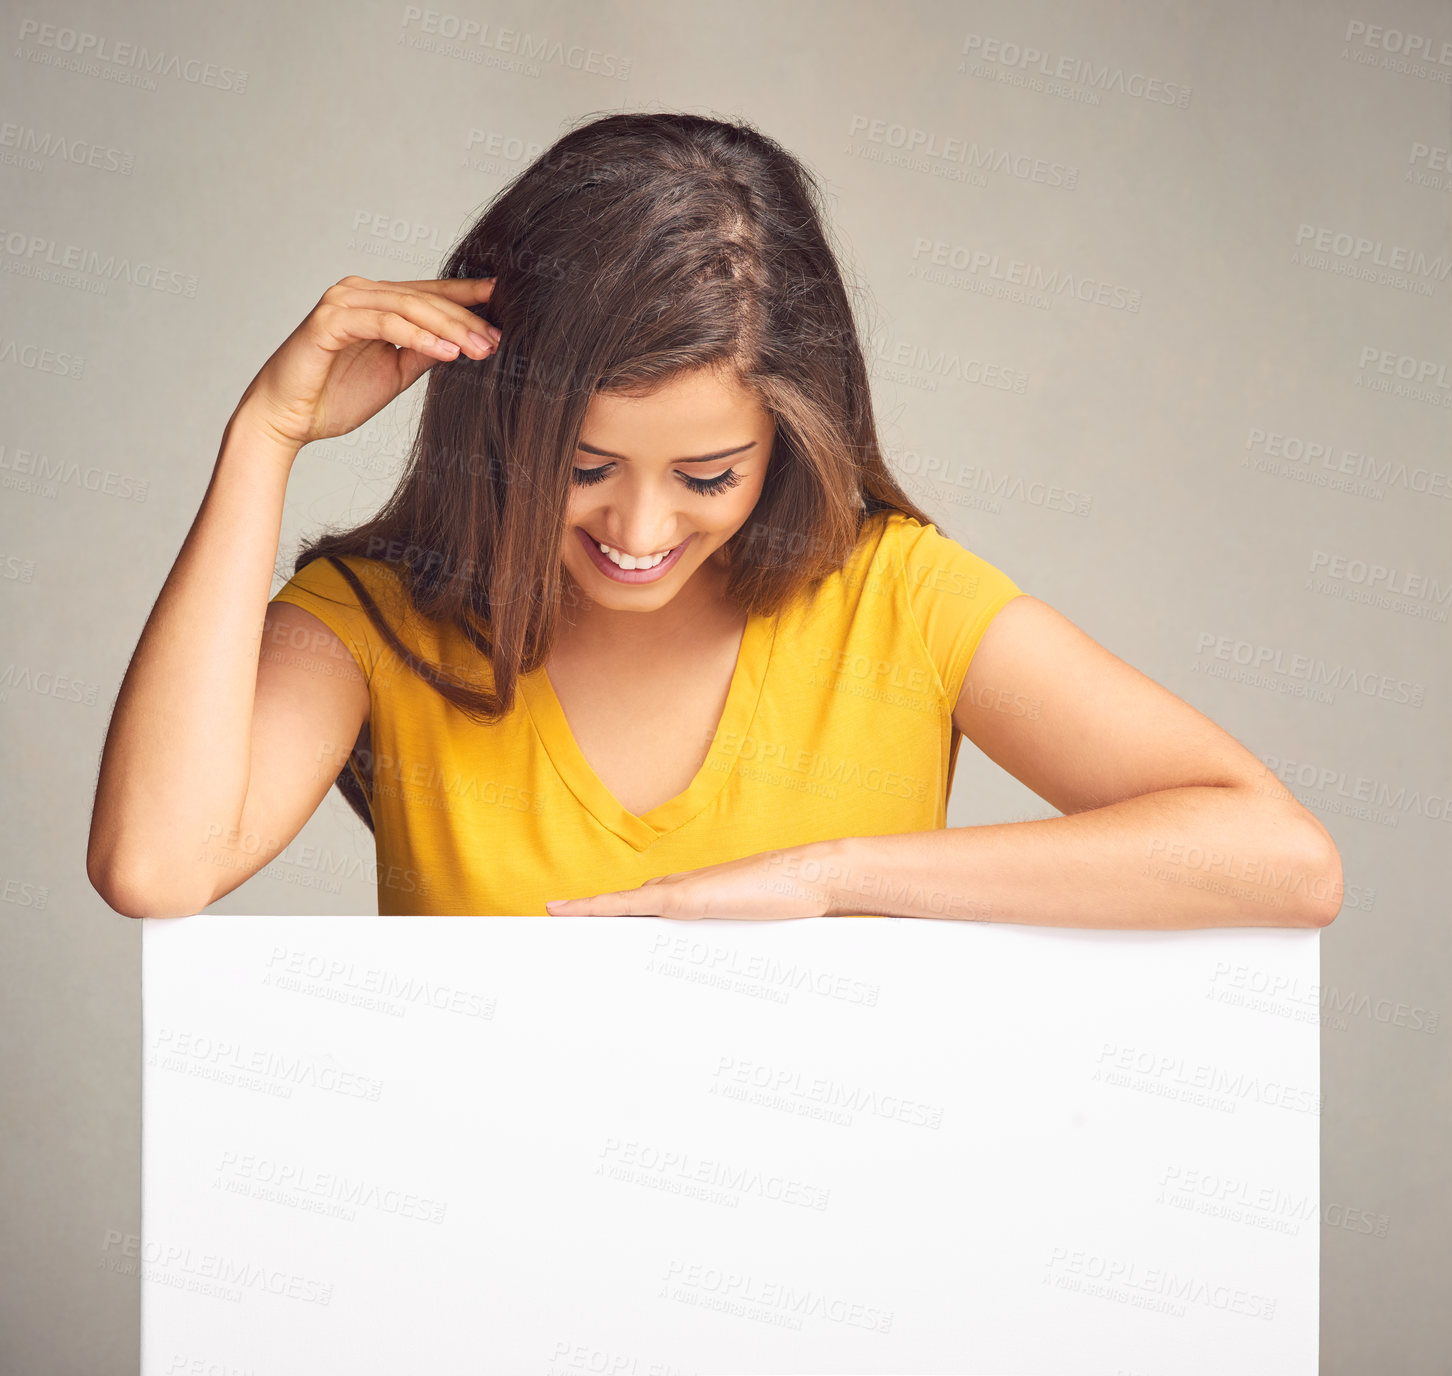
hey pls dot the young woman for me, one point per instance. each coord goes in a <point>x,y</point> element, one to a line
<point>648,627</point>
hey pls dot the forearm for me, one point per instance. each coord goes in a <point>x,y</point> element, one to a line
<point>1179,858</point>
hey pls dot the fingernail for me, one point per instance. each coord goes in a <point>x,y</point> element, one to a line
<point>478,340</point>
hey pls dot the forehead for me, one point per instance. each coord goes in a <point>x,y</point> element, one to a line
<point>691,406</point>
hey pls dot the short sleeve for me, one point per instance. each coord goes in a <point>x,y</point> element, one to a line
<point>321,588</point>
<point>952,595</point>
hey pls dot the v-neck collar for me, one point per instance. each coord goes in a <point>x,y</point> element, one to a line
<point>747,681</point>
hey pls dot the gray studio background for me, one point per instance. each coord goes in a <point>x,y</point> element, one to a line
<point>1219,287</point>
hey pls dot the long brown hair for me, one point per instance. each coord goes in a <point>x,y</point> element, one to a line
<point>638,247</point>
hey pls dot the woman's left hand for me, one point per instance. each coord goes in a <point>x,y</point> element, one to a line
<point>757,887</point>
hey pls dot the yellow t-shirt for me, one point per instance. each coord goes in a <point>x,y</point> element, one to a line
<point>838,722</point>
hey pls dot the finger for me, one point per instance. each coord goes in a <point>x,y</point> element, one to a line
<point>565,906</point>
<point>343,325</point>
<point>465,290</point>
<point>443,318</point>
<point>448,319</point>
<point>626,903</point>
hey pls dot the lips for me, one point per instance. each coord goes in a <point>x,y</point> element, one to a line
<point>655,557</point>
<point>619,575</point>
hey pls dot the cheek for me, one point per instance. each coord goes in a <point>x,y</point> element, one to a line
<point>742,501</point>
<point>577,510</point>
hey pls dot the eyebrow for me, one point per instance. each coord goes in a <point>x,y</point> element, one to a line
<point>700,458</point>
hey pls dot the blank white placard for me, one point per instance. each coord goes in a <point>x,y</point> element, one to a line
<point>563,1145</point>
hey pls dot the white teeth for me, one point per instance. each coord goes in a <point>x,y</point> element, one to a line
<point>629,561</point>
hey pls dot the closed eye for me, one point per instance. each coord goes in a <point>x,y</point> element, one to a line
<point>706,486</point>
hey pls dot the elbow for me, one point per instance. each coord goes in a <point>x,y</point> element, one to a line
<point>1325,888</point>
<point>118,891</point>
<point>121,895</point>
<point>136,883</point>
<point>134,893</point>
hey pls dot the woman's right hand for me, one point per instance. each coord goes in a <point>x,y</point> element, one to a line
<point>360,346</point>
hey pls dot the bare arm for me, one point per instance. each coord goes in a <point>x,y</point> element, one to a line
<point>219,746</point>
<point>178,756</point>
<point>1169,821</point>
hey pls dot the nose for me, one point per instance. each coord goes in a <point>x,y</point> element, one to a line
<point>641,524</point>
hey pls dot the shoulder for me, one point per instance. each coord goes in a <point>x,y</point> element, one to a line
<point>894,549</point>
<point>878,544</point>
<point>918,541</point>
<point>348,579</point>
<point>895,546</point>
<point>346,593</point>
<point>370,572</point>
<point>935,563</point>
<point>951,593</point>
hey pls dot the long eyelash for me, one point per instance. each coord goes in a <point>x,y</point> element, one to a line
<point>705,486</point>
<point>711,486</point>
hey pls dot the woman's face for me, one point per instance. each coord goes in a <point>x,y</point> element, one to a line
<point>675,473</point>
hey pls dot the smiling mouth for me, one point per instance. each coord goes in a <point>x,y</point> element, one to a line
<point>621,568</point>
<point>630,562</point>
